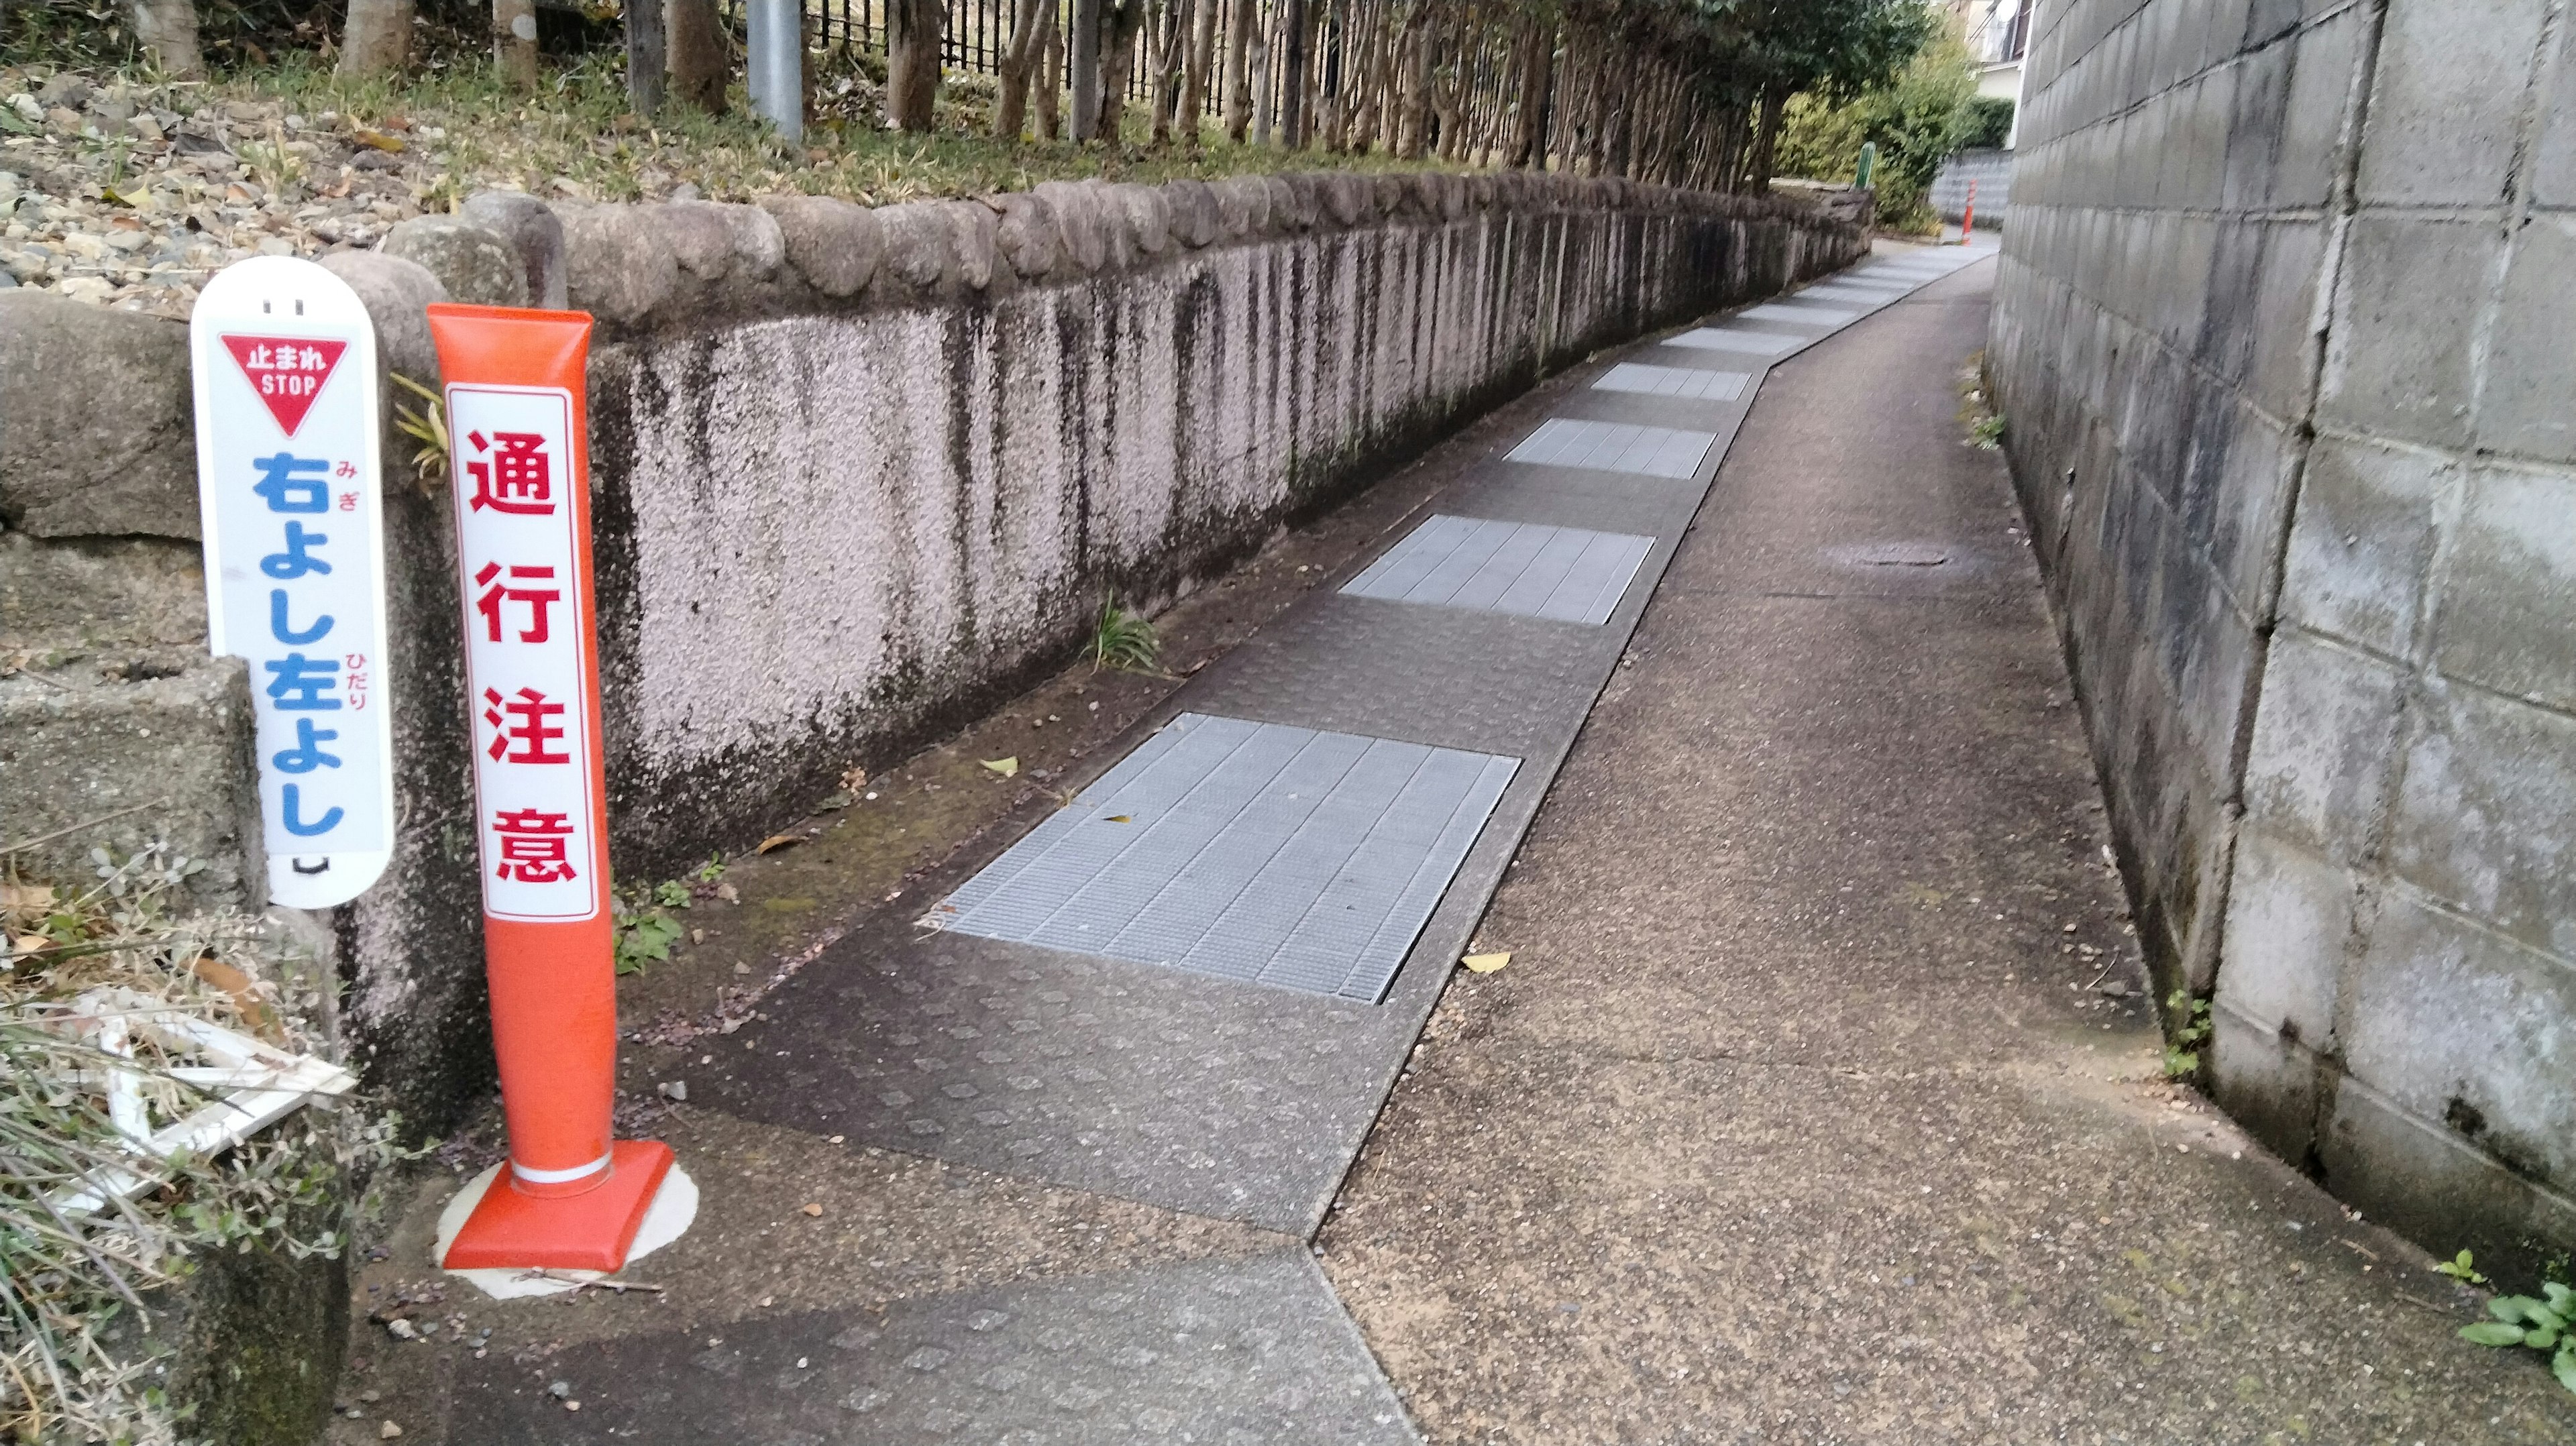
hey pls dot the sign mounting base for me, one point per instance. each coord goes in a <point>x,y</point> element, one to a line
<point>510,1229</point>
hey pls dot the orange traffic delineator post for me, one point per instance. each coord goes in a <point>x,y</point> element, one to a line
<point>517,425</point>
<point>1968,215</point>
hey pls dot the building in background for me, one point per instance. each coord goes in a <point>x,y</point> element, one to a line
<point>1998,32</point>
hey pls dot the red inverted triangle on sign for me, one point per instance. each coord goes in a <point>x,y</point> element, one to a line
<point>286,372</point>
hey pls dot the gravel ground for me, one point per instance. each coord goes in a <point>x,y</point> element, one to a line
<point>131,197</point>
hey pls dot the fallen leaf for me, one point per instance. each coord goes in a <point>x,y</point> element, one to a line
<point>379,140</point>
<point>1486,963</point>
<point>814,1209</point>
<point>777,841</point>
<point>35,898</point>
<point>233,982</point>
<point>1006,767</point>
<point>1119,818</point>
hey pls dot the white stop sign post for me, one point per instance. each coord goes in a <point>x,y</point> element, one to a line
<point>290,486</point>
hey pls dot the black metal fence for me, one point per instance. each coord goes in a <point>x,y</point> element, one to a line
<point>976,37</point>
<point>978,34</point>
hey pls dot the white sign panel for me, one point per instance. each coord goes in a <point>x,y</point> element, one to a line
<point>290,489</point>
<point>520,554</point>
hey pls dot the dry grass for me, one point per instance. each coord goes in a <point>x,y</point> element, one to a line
<point>575,137</point>
<point>67,1370</point>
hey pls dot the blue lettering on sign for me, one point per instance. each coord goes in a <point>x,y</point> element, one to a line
<point>292,808</point>
<point>301,682</point>
<point>295,561</point>
<point>286,490</point>
<point>286,632</point>
<point>307,753</point>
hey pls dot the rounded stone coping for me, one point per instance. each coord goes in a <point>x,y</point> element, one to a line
<point>639,267</point>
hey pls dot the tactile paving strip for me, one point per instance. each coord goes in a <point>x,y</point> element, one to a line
<point>1866,295</point>
<point>1252,851</point>
<point>1751,343</point>
<point>1798,315</point>
<point>1564,574</point>
<point>1232,1352</point>
<point>1689,383</point>
<point>1615,447</point>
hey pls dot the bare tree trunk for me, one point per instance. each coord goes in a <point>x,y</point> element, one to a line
<point>1766,141</point>
<point>1168,66</point>
<point>167,31</point>
<point>1413,91</point>
<point>1333,44</point>
<point>514,42</point>
<point>1371,119</point>
<point>1194,80</point>
<point>1117,62</point>
<point>1292,97</point>
<point>1051,85</point>
<point>1029,32</point>
<point>912,62</point>
<point>1085,68</point>
<point>646,52</point>
<point>1538,79</point>
<point>375,38</point>
<point>701,61</point>
<point>1241,25</point>
<point>1264,110</point>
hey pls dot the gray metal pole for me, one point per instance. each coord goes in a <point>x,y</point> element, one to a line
<point>777,64</point>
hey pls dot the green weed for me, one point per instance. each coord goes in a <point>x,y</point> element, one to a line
<point>426,425</point>
<point>2546,1322</point>
<point>1124,640</point>
<point>2182,1054</point>
<point>646,927</point>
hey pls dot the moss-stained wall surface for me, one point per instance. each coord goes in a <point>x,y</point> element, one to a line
<point>837,529</point>
<point>2281,336</point>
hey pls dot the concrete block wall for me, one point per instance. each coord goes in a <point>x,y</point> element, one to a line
<point>2280,336</point>
<point>858,474</point>
<point>1990,172</point>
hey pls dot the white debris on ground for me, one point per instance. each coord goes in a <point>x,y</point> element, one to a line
<point>132,196</point>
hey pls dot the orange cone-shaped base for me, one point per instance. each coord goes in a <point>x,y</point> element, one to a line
<point>589,1231</point>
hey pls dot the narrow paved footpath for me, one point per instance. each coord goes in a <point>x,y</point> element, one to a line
<point>1820,1101</point>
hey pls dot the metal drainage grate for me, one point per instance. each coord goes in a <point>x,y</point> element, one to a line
<point>1564,574</point>
<point>1615,447</point>
<point>1251,851</point>
<point>1798,315</point>
<point>1753,343</point>
<point>1689,383</point>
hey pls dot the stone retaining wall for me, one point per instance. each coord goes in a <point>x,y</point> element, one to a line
<point>859,474</point>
